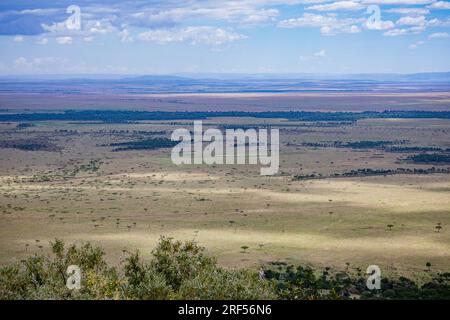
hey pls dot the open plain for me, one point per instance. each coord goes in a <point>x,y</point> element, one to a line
<point>75,187</point>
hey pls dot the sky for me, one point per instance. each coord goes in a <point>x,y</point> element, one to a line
<point>212,36</point>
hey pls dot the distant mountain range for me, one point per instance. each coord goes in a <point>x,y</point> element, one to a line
<point>415,77</point>
<point>426,76</point>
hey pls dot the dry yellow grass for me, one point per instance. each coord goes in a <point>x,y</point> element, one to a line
<point>137,196</point>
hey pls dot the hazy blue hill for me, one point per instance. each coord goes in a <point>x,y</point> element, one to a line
<point>426,76</point>
<point>226,83</point>
<point>155,78</point>
<point>200,77</point>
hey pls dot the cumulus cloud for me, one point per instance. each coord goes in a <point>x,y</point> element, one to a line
<point>22,62</point>
<point>320,54</point>
<point>415,45</point>
<point>328,24</point>
<point>193,34</point>
<point>439,35</point>
<point>398,2</point>
<point>404,31</point>
<point>338,6</point>
<point>18,39</point>
<point>409,11</point>
<point>239,12</point>
<point>315,56</point>
<point>412,21</point>
<point>438,23</point>
<point>125,36</point>
<point>89,28</point>
<point>38,63</point>
<point>42,41</point>
<point>64,40</point>
<point>127,19</point>
<point>379,24</point>
<point>440,5</point>
<point>414,24</point>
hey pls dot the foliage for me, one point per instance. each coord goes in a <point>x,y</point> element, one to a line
<point>44,277</point>
<point>302,282</point>
<point>183,270</point>
<point>434,158</point>
<point>178,270</point>
<point>30,145</point>
<point>148,144</point>
<point>121,116</point>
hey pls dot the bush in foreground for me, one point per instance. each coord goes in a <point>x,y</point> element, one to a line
<point>182,270</point>
<point>178,270</point>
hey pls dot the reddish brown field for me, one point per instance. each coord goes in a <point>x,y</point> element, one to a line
<point>301,101</point>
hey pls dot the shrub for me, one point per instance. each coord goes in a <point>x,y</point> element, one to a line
<point>182,270</point>
<point>44,277</point>
<point>221,284</point>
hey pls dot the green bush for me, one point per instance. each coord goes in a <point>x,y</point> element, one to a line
<point>221,284</point>
<point>178,270</point>
<point>142,282</point>
<point>183,270</point>
<point>294,283</point>
<point>44,277</point>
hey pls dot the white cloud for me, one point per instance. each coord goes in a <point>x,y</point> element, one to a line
<point>398,2</point>
<point>409,11</point>
<point>440,5</point>
<point>328,24</point>
<point>439,35</point>
<point>395,32</point>
<point>125,36</point>
<point>21,63</point>
<point>64,40</point>
<point>18,39</point>
<point>89,29</point>
<point>404,31</point>
<point>412,21</point>
<point>58,27</point>
<point>415,24</point>
<point>438,23</point>
<point>99,27</point>
<point>38,11</point>
<point>39,64</point>
<point>194,35</point>
<point>320,54</point>
<point>315,56</point>
<point>42,41</point>
<point>239,12</point>
<point>261,16</point>
<point>412,25</point>
<point>415,45</point>
<point>379,24</point>
<point>338,6</point>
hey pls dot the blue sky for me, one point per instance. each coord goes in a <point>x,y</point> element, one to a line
<point>247,36</point>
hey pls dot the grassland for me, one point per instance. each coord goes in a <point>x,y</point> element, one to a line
<point>83,191</point>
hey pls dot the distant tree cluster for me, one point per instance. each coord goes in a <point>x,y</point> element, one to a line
<point>364,144</point>
<point>115,116</point>
<point>415,149</point>
<point>24,125</point>
<point>365,172</point>
<point>30,145</point>
<point>148,144</point>
<point>430,158</point>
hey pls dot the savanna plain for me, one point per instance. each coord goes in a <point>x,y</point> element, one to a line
<point>348,193</point>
